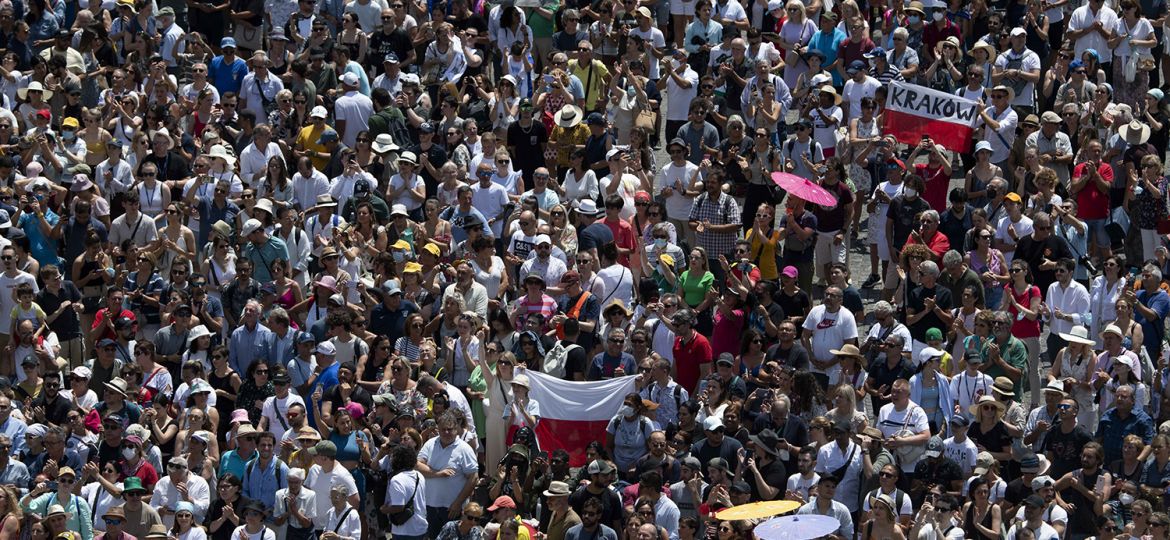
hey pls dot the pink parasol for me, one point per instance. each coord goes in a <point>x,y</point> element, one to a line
<point>803,188</point>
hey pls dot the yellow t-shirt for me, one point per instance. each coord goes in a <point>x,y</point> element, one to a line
<point>307,139</point>
<point>763,254</point>
<point>594,83</point>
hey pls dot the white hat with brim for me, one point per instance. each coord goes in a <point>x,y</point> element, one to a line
<point>384,143</point>
<point>570,116</point>
<point>1078,334</point>
<point>196,333</point>
<point>220,152</point>
<point>46,94</point>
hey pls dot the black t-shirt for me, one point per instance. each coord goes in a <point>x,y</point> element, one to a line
<point>775,475</point>
<point>437,156</point>
<point>795,357</point>
<point>575,362</point>
<point>905,216</point>
<point>994,440</point>
<point>56,410</point>
<point>797,305</point>
<point>526,144</point>
<point>611,504</point>
<point>1065,449</point>
<point>731,149</point>
<point>942,299</point>
<point>381,44</point>
<point>1036,251</point>
<point>943,471</point>
<point>67,325</point>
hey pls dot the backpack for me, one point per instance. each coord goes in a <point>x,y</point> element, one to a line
<point>556,358</point>
<point>252,466</point>
<point>395,126</point>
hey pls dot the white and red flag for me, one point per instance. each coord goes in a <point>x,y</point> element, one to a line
<point>573,414</point>
<point>913,112</point>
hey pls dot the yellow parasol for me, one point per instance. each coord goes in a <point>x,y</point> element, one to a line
<point>757,510</point>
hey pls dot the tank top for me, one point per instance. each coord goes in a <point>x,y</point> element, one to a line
<point>969,523</point>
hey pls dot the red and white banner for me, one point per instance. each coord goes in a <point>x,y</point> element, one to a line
<point>574,414</point>
<point>913,112</point>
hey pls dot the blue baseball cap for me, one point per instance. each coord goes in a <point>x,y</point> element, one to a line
<point>328,135</point>
<point>875,52</point>
<point>227,42</point>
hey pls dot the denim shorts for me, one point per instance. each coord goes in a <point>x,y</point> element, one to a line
<point>1097,230</point>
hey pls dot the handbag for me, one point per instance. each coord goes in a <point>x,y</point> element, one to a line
<point>247,36</point>
<point>646,119</point>
<point>1117,227</point>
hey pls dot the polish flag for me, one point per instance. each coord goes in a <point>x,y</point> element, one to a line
<point>913,112</point>
<point>573,414</point>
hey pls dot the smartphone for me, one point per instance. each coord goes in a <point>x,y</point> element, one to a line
<point>52,485</point>
<point>549,79</point>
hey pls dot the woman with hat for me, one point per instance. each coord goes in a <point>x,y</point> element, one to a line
<point>1075,367</point>
<point>185,527</point>
<point>251,515</point>
<point>51,502</point>
<point>84,189</point>
<point>931,389</point>
<point>987,429</point>
<point>1124,367</point>
<point>568,134</point>
<point>522,411</point>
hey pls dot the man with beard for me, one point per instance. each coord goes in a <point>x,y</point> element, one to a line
<point>1062,443</point>
<point>51,407</point>
<point>598,505</point>
<point>1005,354</point>
<point>591,526</point>
<point>1084,489</point>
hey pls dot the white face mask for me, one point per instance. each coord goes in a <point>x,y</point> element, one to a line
<point>1125,498</point>
<point>910,193</point>
<point>938,15</point>
<point>659,243</point>
<point>128,453</point>
<point>626,411</point>
<point>914,19</point>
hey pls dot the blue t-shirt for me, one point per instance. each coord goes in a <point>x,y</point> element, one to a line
<point>44,249</point>
<point>227,77</point>
<point>828,43</point>
<point>1155,330</point>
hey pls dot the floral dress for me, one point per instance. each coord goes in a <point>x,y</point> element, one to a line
<point>252,395</point>
<point>1150,210</point>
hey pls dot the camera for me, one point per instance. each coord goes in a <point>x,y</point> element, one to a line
<point>1088,264</point>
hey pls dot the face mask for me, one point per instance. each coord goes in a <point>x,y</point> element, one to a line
<point>626,411</point>
<point>909,193</point>
<point>914,19</point>
<point>1125,498</point>
<point>68,135</point>
<point>399,256</point>
<point>938,16</point>
<point>128,453</point>
<point>659,243</point>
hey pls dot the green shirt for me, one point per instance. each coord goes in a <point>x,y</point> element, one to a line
<point>1015,354</point>
<point>542,27</point>
<point>695,286</point>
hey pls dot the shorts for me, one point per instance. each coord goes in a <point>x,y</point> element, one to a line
<point>877,236</point>
<point>682,7</point>
<point>1097,230</point>
<point>827,251</point>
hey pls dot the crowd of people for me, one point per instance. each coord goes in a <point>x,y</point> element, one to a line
<point>287,269</point>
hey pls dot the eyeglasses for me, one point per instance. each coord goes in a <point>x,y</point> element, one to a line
<point>1017,270</point>
<point>617,340</point>
<point>112,521</point>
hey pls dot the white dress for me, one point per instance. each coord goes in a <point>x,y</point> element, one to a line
<point>499,395</point>
<point>220,275</point>
<point>1086,400</point>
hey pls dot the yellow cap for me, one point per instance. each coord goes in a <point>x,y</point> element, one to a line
<point>70,122</point>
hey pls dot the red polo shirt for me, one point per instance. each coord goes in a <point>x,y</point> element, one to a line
<point>688,359</point>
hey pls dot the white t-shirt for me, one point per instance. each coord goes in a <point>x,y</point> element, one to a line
<point>405,199</point>
<point>801,485</point>
<point>616,283</point>
<point>658,41</point>
<point>7,302</point>
<point>490,201</point>
<point>1027,61</point>
<point>964,453</point>
<point>275,410</point>
<point>399,491</point>
<point>967,389</point>
<point>1023,228</point>
<point>829,331</point>
<point>678,206</point>
<point>321,482</point>
<point>678,99</point>
<point>854,91</point>
<point>356,109</point>
<point>824,132</point>
<point>913,418</point>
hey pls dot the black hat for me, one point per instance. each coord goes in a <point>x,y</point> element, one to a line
<point>766,441</point>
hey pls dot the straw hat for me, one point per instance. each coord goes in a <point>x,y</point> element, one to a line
<point>987,400</point>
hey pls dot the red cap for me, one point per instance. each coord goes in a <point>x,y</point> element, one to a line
<point>642,196</point>
<point>898,162</point>
<point>503,501</point>
<point>44,113</point>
